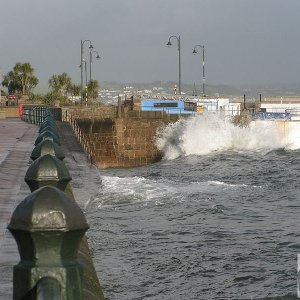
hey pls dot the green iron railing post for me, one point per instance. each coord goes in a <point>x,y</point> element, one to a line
<point>48,227</point>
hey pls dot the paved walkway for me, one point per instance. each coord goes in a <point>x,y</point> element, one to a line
<point>16,143</point>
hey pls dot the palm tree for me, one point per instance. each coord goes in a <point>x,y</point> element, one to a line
<point>54,83</point>
<point>20,79</point>
<point>61,83</point>
<point>92,88</point>
<point>10,81</point>
<point>75,90</point>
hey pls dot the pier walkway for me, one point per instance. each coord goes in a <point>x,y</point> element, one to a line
<point>16,144</point>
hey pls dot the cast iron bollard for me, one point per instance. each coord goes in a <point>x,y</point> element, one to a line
<point>45,135</point>
<point>48,126</point>
<point>47,147</point>
<point>47,170</point>
<point>48,227</point>
<point>48,122</point>
<point>48,289</point>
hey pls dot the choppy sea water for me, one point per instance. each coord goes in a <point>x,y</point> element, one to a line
<point>215,224</point>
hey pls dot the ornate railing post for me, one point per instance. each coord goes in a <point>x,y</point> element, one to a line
<point>47,147</point>
<point>48,227</point>
<point>47,170</point>
<point>55,260</point>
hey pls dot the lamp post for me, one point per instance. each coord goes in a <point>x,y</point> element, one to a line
<point>98,56</point>
<point>85,86</point>
<point>1,79</point>
<point>179,59</point>
<point>85,72</point>
<point>81,66</point>
<point>203,67</point>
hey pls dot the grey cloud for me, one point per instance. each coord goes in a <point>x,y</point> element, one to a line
<point>247,41</point>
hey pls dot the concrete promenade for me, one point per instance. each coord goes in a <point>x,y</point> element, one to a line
<point>16,143</point>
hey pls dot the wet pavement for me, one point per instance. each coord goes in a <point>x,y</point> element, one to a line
<point>16,143</point>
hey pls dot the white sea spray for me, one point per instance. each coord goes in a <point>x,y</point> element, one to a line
<point>204,134</point>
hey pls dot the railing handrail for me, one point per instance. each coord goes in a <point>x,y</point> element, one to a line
<point>70,273</point>
<point>83,138</point>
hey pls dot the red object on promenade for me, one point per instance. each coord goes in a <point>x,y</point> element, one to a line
<point>20,110</point>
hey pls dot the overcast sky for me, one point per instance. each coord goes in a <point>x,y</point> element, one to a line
<point>246,41</point>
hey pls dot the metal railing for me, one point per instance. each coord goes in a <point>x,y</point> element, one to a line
<point>49,228</point>
<point>36,114</point>
<point>83,138</point>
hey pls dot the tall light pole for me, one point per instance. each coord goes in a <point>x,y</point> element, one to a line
<point>1,79</point>
<point>81,67</point>
<point>91,54</point>
<point>85,73</point>
<point>85,86</point>
<point>179,59</point>
<point>203,67</point>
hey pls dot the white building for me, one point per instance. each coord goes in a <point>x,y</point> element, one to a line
<point>218,105</point>
<point>281,107</point>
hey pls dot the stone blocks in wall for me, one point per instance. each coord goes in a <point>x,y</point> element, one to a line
<point>121,142</point>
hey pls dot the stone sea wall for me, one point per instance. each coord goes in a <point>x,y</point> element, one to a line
<point>126,141</point>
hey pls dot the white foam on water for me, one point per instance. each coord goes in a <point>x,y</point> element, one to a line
<point>221,183</point>
<point>131,190</point>
<point>126,190</point>
<point>208,133</point>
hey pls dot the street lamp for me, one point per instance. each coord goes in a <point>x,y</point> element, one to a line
<point>85,73</point>
<point>203,67</point>
<point>81,66</point>
<point>179,59</point>
<point>98,56</point>
<point>1,79</point>
<point>85,86</point>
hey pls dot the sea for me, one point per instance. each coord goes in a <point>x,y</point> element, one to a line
<point>216,218</point>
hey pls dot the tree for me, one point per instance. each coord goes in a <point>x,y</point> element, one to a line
<point>11,83</point>
<point>49,98</point>
<point>75,91</point>
<point>61,83</point>
<point>21,79</point>
<point>92,89</point>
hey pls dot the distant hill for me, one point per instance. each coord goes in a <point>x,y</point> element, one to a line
<point>251,91</point>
